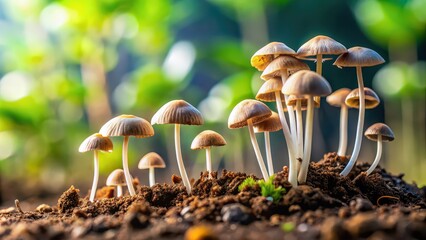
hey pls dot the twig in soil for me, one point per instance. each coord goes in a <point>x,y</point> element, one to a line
<point>18,206</point>
<point>386,197</point>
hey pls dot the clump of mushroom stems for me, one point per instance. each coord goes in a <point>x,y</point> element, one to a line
<point>299,121</point>
<point>308,140</point>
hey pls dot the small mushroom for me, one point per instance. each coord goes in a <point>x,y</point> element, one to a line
<point>205,140</point>
<point>151,161</point>
<point>266,54</point>
<point>95,143</point>
<point>178,112</point>
<point>371,98</point>
<point>378,132</point>
<point>337,99</point>
<point>358,57</point>
<point>271,124</point>
<point>117,179</point>
<point>310,84</point>
<point>126,126</point>
<point>247,113</point>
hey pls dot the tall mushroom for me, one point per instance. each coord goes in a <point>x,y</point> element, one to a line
<point>378,132</point>
<point>178,112</point>
<point>126,126</point>
<point>117,179</point>
<point>247,113</point>
<point>95,142</point>
<point>271,124</point>
<point>206,140</point>
<point>310,84</point>
<point>337,99</point>
<point>151,161</point>
<point>358,57</point>
<point>269,52</point>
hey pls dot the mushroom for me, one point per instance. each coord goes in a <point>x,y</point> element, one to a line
<point>178,112</point>
<point>337,99</point>
<point>271,91</point>
<point>266,54</point>
<point>358,57</point>
<point>309,84</point>
<point>126,126</point>
<point>378,132</point>
<point>205,140</point>
<point>271,124</point>
<point>151,161</point>
<point>371,98</point>
<point>95,142</point>
<point>247,113</point>
<point>117,179</point>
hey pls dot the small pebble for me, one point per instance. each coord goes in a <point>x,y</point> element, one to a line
<point>236,213</point>
<point>361,205</point>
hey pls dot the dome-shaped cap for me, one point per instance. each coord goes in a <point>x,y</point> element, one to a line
<point>116,178</point>
<point>267,91</point>
<point>177,112</point>
<point>271,124</point>
<point>206,139</point>
<point>377,129</point>
<point>127,125</point>
<point>288,63</point>
<point>321,45</point>
<point>96,142</point>
<point>371,98</point>
<point>359,56</point>
<point>292,101</point>
<point>338,97</point>
<point>151,160</point>
<point>305,82</point>
<point>248,109</point>
<point>266,54</point>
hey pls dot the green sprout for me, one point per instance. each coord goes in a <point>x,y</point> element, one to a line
<point>268,189</point>
<point>248,182</point>
<point>288,227</point>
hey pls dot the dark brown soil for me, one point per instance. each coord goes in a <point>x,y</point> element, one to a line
<point>379,206</point>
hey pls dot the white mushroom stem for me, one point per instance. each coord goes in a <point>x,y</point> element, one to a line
<point>209,161</point>
<point>290,109</point>
<point>319,64</point>
<point>119,190</point>
<point>378,155</point>
<point>292,174</point>
<point>308,141</point>
<point>360,126</point>
<point>96,175</point>
<point>151,176</point>
<point>268,154</point>
<point>181,166</point>
<point>126,167</point>
<point>343,141</point>
<point>257,150</point>
<point>299,132</point>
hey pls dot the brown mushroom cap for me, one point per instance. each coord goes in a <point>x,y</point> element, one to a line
<point>321,45</point>
<point>177,112</point>
<point>206,139</point>
<point>338,97</point>
<point>267,91</point>
<point>377,129</point>
<point>248,109</point>
<point>116,178</point>
<point>359,56</point>
<point>292,101</point>
<point>371,98</point>
<point>271,124</point>
<point>266,54</point>
<point>305,82</point>
<point>127,125</point>
<point>151,160</point>
<point>290,63</point>
<point>96,142</point>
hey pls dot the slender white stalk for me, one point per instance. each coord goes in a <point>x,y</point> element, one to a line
<point>319,64</point>
<point>209,161</point>
<point>308,141</point>
<point>360,126</point>
<point>290,110</point>
<point>181,166</point>
<point>292,174</point>
<point>343,141</point>
<point>299,133</point>
<point>378,155</point>
<point>268,154</point>
<point>126,167</point>
<point>151,176</point>
<point>96,175</point>
<point>119,190</point>
<point>257,150</point>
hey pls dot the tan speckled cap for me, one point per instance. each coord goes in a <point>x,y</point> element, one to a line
<point>305,82</point>
<point>338,97</point>
<point>371,98</point>
<point>127,125</point>
<point>177,112</point>
<point>96,142</point>
<point>151,160</point>
<point>248,110</point>
<point>359,56</point>
<point>321,45</point>
<point>377,129</point>
<point>271,124</point>
<point>267,91</point>
<point>206,139</point>
<point>116,178</point>
<point>266,54</point>
<point>288,63</point>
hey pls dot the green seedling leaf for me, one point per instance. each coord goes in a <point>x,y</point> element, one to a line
<point>268,189</point>
<point>248,182</point>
